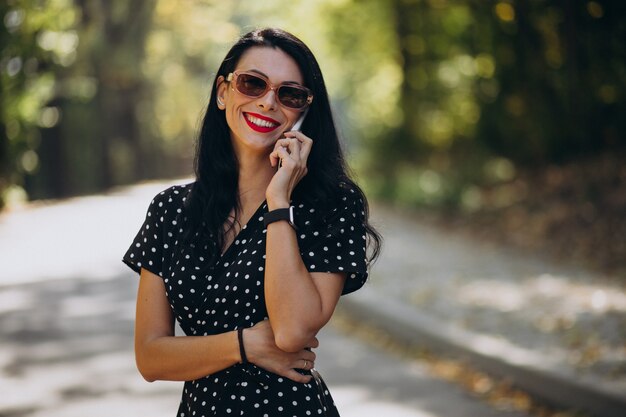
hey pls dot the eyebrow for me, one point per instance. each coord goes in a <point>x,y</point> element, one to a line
<point>265,75</point>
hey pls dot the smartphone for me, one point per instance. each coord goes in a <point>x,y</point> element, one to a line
<point>296,128</point>
<point>298,125</point>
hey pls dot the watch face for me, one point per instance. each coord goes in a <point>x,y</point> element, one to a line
<point>291,217</point>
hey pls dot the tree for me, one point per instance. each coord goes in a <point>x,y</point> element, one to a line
<point>100,141</point>
<point>36,42</point>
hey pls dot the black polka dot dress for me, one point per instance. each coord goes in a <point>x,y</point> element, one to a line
<point>209,299</point>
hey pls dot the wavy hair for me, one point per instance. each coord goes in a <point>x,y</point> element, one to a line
<point>214,194</point>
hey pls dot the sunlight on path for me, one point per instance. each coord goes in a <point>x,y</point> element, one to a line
<point>72,238</point>
<point>359,401</point>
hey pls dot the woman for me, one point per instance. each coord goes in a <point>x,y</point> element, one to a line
<point>252,257</point>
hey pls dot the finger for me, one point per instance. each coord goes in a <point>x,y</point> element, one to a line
<point>296,151</point>
<point>306,143</point>
<point>305,148</point>
<point>301,363</point>
<point>284,156</point>
<point>274,158</point>
<point>297,376</point>
<point>314,343</point>
<point>308,355</point>
<point>297,135</point>
<point>290,145</point>
<point>293,146</point>
<point>286,142</point>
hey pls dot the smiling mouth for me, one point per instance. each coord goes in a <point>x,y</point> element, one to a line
<point>259,123</point>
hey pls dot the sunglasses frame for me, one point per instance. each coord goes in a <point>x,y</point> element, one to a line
<point>269,86</point>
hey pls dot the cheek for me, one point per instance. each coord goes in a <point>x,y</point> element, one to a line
<point>293,117</point>
<point>232,115</point>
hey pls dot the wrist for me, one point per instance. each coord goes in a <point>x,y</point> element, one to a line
<point>243,358</point>
<point>280,215</point>
<point>273,204</point>
<point>249,345</point>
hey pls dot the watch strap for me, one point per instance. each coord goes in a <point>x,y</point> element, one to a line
<point>279,214</point>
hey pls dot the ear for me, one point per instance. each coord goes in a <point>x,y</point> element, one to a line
<point>222,87</point>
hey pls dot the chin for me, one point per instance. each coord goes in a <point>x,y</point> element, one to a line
<point>261,143</point>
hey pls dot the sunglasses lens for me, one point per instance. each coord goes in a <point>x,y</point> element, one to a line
<point>290,96</point>
<point>293,97</point>
<point>250,85</point>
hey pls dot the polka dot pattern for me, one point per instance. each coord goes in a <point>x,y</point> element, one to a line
<point>214,298</point>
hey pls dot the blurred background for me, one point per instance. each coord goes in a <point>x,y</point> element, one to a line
<point>508,113</point>
<point>468,123</point>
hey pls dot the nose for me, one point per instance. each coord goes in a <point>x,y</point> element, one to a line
<point>268,101</point>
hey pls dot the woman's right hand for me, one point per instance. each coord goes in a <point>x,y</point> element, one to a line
<point>262,351</point>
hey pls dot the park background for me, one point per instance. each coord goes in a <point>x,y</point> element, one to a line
<point>502,117</point>
<point>489,136</point>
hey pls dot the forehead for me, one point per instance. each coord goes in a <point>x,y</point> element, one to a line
<point>273,62</point>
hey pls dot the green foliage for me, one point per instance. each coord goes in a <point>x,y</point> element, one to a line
<point>532,82</point>
<point>37,40</point>
<point>560,75</point>
<point>433,96</point>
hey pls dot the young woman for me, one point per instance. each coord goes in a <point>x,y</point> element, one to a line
<point>252,257</point>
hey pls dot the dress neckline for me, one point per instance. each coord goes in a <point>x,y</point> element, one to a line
<point>244,229</point>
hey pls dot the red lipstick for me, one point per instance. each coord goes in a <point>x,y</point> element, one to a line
<point>258,123</point>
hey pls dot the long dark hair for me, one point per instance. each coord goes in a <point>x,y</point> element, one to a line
<point>215,193</point>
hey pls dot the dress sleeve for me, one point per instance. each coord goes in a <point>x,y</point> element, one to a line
<point>146,251</point>
<point>340,244</point>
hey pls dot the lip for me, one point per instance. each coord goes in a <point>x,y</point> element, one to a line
<point>261,129</point>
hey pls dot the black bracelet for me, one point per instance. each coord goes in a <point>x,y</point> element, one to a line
<point>242,350</point>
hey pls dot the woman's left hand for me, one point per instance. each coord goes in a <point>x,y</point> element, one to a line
<point>292,153</point>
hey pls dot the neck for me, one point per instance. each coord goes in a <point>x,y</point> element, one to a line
<point>255,174</point>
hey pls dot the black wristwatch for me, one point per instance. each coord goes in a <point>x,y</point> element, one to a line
<point>280,214</point>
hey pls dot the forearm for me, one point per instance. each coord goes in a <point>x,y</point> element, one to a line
<point>185,358</point>
<point>294,304</point>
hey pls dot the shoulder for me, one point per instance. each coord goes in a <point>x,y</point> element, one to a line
<point>349,200</point>
<point>345,204</point>
<point>350,194</point>
<point>170,200</point>
<point>175,194</point>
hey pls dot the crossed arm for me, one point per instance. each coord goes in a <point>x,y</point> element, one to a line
<point>160,355</point>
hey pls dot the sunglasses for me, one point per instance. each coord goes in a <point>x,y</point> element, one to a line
<point>293,96</point>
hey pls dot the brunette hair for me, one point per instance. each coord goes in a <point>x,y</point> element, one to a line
<point>215,192</point>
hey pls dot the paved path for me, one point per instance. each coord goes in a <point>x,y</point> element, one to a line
<point>562,326</point>
<point>67,353</point>
<point>66,313</point>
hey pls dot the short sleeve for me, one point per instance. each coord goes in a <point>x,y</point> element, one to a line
<point>339,244</point>
<point>146,251</point>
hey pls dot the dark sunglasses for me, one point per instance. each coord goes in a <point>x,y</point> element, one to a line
<point>293,96</point>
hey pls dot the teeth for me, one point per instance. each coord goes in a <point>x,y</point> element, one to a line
<point>260,122</point>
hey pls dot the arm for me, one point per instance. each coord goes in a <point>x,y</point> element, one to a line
<point>162,356</point>
<point>299,303</point>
